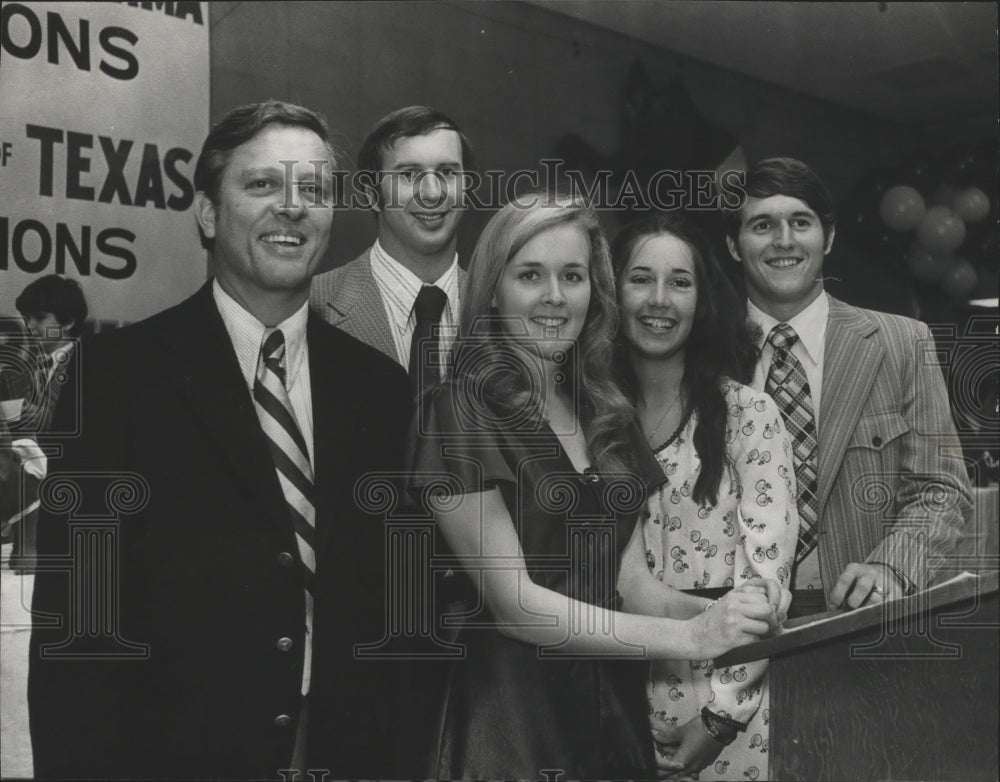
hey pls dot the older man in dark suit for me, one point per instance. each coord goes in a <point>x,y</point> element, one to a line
<point>409,281</point>
<point>243,571</point>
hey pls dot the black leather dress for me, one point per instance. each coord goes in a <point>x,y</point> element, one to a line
<point>512,710</point>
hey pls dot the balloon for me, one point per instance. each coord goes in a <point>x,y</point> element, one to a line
<point>971,204</point>
<point>926,266</point>
<point>901,208</point>
<point>959,280</point>
<point>940,230</point>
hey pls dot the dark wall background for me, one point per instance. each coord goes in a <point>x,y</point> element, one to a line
<point>517,77</point>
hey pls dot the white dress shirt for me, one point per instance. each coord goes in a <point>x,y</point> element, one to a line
<point>247,335</point>
<point>810,325</point>
<point>399,288</point>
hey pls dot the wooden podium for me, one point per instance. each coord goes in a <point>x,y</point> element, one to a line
<point>905,690</point>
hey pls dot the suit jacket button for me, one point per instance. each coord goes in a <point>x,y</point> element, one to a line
<point>284,644</point>
<point>876,441</point>
<point>282,720</point>
<point>285,559</point>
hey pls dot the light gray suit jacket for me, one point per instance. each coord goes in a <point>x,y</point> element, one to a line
<point>348,298</point>
<point>893,487</point>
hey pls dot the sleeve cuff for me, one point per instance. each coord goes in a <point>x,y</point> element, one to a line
<point>909,587</point>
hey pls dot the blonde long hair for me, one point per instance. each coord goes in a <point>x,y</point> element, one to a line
<point>486,359</point>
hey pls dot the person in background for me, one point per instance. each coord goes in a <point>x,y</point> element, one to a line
<point>538,475</point>
<point>12,486</point>
<point>725,513</point>
<point>45,369</point>
<point>408,283</point>
<point>225,437</point>
<point>883,493</point>
<point>54,311</point>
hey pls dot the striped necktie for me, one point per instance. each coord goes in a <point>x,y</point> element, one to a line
<point>788,386</point>
<point>288,449</point>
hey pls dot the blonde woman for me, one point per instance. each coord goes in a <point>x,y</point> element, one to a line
<point>540,477</point>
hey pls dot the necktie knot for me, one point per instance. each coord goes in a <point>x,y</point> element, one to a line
<point>430,304</point>
<point>272,354</point>
<point>782,336</point>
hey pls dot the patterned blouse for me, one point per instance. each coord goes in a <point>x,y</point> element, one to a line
<point>751,531</point>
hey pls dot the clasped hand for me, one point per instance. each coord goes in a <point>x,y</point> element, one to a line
<point>753,610</point>
<point>682,751</point>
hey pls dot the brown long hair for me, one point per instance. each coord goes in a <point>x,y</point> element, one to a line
<point>721,345</point>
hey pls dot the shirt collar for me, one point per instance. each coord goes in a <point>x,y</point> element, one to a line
<point>390,274</point>
<point>809,324</point>
<point>247,335</point>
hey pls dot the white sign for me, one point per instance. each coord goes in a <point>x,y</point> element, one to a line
<point>103,110</point>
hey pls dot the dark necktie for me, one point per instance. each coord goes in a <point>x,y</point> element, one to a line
<point>788,386</point>
<point>425,372</point>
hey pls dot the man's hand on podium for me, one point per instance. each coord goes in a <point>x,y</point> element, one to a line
<point>863,584</point>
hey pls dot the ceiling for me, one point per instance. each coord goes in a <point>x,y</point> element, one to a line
<point>909,62</point>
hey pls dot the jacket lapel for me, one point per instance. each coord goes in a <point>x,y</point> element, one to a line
<point>328,421</point>
<point>356,307</point>
<point>851,362</point>
<point>199,358</point>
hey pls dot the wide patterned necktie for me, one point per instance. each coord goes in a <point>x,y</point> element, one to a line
<point>288,449</point>
<point>428,307</point>
<point>788,386</point>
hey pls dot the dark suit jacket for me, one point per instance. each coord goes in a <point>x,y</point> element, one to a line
<point>202,575</point>
<point>892,484</point>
